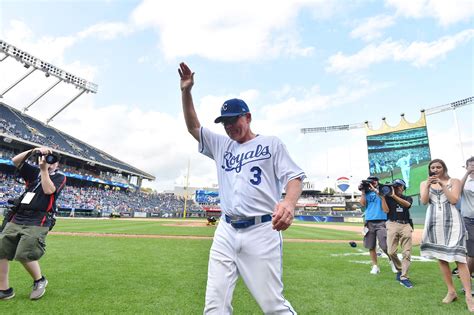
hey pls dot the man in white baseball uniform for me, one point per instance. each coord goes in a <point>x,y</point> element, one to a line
<point>252,169</point>
<point>404,164</point>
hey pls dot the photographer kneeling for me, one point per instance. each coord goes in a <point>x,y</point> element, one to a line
<point>399,227</point>
<point>23,238</point>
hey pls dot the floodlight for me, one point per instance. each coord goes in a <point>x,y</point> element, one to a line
<point>36,64</point>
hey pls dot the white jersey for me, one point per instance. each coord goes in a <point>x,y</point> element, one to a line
<point>251,175</point>
<point>467,198</point>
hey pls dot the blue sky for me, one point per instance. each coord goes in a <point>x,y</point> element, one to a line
<point>296,63</point>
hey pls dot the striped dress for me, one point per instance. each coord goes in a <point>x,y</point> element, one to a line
<point>444,232</point>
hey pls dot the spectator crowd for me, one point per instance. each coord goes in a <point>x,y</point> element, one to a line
<point>104,199</point>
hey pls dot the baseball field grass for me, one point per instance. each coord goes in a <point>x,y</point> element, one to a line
<point>92,274</point>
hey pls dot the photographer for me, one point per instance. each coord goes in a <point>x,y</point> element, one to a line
<point>374,219</point>
<point>399,228</point>
<point>23,238</point>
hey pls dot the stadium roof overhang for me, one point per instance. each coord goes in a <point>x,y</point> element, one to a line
<point>10,139</point>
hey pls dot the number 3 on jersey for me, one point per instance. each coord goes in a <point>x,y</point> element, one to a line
<point>257,175</point>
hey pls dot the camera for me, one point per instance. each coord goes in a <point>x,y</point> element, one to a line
<point>14,202</point>
<point>365,184</point>
<point>50,158</point>
<point>385,189</point>
<point>12,207</point>
<point>432,173</point>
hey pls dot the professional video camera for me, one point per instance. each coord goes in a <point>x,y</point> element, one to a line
<point>385,189</point>
<point>365,184</point>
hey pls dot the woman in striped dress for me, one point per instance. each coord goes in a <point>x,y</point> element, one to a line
<point>444,232</point>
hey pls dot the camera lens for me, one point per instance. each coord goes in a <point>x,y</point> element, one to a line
<point>51,159</point>
<point>385,190</point>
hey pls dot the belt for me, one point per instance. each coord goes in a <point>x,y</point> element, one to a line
<point>401,221</point>
<point>376,221</point>
<point>245,222</point>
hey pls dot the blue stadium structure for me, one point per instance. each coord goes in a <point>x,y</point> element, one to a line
<point>98,184</point>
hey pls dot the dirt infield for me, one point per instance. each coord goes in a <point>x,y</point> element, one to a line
<point>187,223</point>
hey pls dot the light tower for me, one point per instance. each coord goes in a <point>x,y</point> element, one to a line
<point>32,64</point>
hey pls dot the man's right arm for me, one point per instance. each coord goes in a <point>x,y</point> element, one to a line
<point>17,159</point>
<point>363,200</point>
<point>469,170</point>
<point>190,116</point>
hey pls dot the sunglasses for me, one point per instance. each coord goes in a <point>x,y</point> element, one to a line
<point>231,120</point>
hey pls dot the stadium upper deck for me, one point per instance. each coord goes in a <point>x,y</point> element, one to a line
<point>16,126</point>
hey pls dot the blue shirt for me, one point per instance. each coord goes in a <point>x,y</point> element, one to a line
<point>373,209</point>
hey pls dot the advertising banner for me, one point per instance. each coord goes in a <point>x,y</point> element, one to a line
<point>207,197</point>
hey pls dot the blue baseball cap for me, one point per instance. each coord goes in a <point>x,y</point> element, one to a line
<point>399,182</point>
<point>231,108</point>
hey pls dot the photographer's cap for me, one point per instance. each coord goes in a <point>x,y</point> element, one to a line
<point>399,182</point>
<point>231,108</point>
<point>373,178</point>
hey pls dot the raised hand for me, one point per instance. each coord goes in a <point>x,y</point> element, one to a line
<point>187,77</point>
<point>42,158</point>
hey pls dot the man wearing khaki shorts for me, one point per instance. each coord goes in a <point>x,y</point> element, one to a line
<point>399,229</point>
<point>23,238</point>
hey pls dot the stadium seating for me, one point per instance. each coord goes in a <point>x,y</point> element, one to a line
<point>105,200</point>
<point>32,131</point>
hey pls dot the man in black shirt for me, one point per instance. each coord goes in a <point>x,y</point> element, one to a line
<point>399,229</point>
<point>23,238</point>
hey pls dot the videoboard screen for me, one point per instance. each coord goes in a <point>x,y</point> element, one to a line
<point>207,197</point>
<point>401,154</point>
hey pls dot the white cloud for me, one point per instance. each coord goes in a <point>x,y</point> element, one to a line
<point>47,48</point>
<point>417,53</point>
<point>372,28</point>
<point>446,12</point>
<point>226,30</point>
<point>106,31</point>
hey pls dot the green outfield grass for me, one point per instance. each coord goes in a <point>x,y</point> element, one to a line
<point>102,275</point>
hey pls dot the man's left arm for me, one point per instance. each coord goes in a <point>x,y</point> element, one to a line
<point>284,211</point>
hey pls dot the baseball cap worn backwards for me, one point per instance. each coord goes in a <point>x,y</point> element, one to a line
<point>231,108</point>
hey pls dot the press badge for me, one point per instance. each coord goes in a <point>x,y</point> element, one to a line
<point>28,197</point>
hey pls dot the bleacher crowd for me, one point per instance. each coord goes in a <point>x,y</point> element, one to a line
<point>104,200</point>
